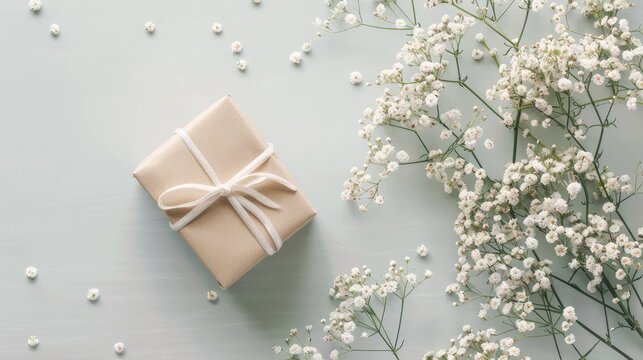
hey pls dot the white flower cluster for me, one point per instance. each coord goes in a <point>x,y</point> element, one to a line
<point>538,71</point>
<point>481,344</point>
<point>558,199</point>
<point>359,293</point>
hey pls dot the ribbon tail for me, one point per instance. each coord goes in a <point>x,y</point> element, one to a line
<point>263,199</point>
<point>261,177</point>
<point>254,210</point>
<point>240,208</point>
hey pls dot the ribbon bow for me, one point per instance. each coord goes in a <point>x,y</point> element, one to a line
<point>237,190</point>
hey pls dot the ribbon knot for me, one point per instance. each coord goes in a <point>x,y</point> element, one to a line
<point>226,190</point>
<point>236,190</point>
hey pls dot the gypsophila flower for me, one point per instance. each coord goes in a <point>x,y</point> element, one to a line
<point>236,47</point>
<point>31,272</point>
<point>350,19</point>
<point>212,295</point>
<point>277,349</point>
<point>608,207</point>
<point>295,349</point>
<point>35,5</point>
<point>489,144</point>
<point>54,30</point>
<point>515,231</point>
<point>256,2</point>
<point>242,65</point>
<point>477,54</point>
<point>356,78</point>
<point>217,28</point>
<point>150,27</point>
<point>400,23</point>
<point>306,47</point>
<point>119,348</point>
<point>33,341</point>
<point>573,189</point>
<point>422,250</point>
<point>564,84</point>
<point>93,294</point>
<point>295,57</point>
<point>570,339</point>
<point>402,156</point>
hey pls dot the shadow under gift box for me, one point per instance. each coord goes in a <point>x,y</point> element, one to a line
<point>218,236</point>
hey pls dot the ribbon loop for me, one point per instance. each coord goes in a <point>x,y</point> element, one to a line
<point>238,190</point>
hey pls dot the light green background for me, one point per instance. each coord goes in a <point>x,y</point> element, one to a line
<point>78,112</point>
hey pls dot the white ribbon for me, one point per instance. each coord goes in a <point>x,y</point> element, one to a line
<point>236,189</point>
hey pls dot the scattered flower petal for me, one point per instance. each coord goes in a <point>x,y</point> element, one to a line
<point>31,272</point>
<point>356,78</point>
<point>242,65</point>
<point>236,47</point>
<point>150,27</point>
<point>33,341</point>
<point>217,28</point>
<point>35,5</point>
<point>93,294</point>
<point>295,57</point>
<point>54,29</point>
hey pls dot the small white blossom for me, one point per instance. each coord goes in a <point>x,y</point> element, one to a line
<point>570,339</point>
<point>212,295</point>
<point>400,23</point>
<point>422,250</point>
<point>477,54</point>
<point>33,341</point>
<point>489,144</point>
<point>350,19</point>
<point>573,189</point>
<point>119,348</point>
<point>31,272</point>
<point>150,27</point>
<point>217,28</point>
<point>93,294</point>
<point>54,30</point>
<point>242,65</point>
<point>306,47</point>
<point>295,349</point>
<point>295,57</point>
<point>564,84</point>
<point>236,47</point>
<point>608,207</point>
<point>356,78</point>
<point>402,156</point>
<point>35,5</point>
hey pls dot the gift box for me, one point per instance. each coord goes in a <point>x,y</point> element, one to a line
<point>224,190</point>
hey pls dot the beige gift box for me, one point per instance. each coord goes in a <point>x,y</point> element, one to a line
<point>219,236</point>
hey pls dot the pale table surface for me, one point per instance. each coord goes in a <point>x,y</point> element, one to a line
<point>78,112</point>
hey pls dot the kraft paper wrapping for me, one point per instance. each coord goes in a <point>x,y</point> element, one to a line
<point>218,236</point>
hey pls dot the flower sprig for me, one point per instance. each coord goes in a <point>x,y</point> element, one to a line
<point>553,219</point>
<point>359,322</point>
